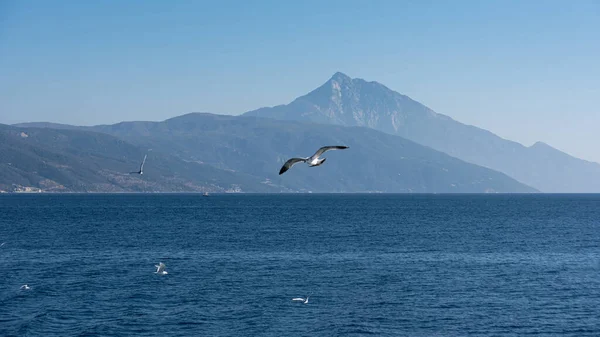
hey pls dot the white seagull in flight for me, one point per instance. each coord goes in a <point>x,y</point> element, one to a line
<point>300,299</point>
<point>141,171</point>
<point>160,269</point>
<point>25,287</point>
<point>312,160</point>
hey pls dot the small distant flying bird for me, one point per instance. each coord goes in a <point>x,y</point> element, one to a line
<point>300,299</point>
<point>141,171</point>
<point>312,161</point>
<point>160,269</point>
<point>25,287</point>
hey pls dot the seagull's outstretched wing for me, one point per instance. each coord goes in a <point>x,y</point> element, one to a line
<point>288,164</point>
<point>327,148</point>
<point>143,161</point>
<point>298,299</point>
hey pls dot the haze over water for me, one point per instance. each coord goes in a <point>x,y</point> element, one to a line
<point>401,265</point>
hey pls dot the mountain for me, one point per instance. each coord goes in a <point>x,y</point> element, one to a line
<point>257,147</point>
<point>34,159</point>
<point>355,102</point>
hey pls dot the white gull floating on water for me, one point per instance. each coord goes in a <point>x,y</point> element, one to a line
<point>160,269</point>
<point>300,299</point>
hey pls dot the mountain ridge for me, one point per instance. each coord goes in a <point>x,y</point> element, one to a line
<point>342,100</point>
<point>257,147</point>
<point>71,160</point>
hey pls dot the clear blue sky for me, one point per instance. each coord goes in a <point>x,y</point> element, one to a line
<point>525,70</point>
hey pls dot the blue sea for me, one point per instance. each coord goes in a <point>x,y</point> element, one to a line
<point>382,265</point>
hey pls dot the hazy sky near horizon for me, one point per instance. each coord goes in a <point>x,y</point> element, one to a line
<point>525,70</point>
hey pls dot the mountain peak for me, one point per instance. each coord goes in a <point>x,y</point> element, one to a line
<point>340,77</point>
<point>343,100</point>
<point>541,145</point>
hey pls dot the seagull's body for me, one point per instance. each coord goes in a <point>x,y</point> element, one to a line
<point>141,171</point>
<point>160,269</point>
<point>300,299</point>
<point>312,161</point>
<point>25,287</point>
